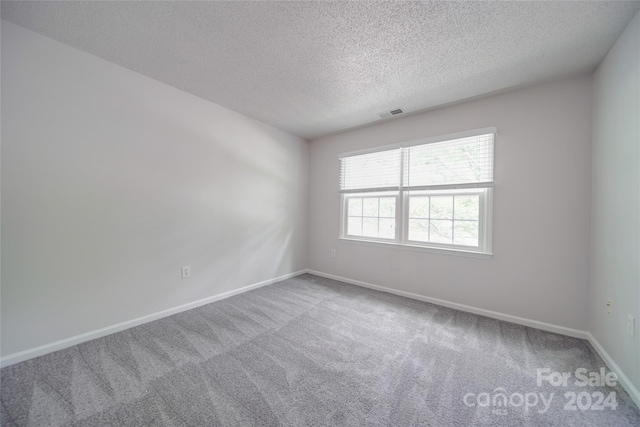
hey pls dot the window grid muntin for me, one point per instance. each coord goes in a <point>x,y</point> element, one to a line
<point>483,195</point>
<point>364,196</point>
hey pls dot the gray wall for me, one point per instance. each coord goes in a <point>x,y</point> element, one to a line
<point>540,266</point>
<point>615,208</point>
<point>112,181</point>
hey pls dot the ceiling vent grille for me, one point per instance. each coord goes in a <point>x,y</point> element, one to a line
<point>391,113</point>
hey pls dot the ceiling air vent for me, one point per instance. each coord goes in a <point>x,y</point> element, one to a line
<point>391,113</point>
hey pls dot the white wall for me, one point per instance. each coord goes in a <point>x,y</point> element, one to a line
<point>111,181</point>
<point>615,208</point>
<point>541,222</point>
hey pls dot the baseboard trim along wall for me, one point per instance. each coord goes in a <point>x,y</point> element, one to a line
<point>480,311</point>
<point>623,379</point>
<point>88,336</point>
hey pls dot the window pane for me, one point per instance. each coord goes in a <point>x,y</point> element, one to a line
<point>371,215</point>
<point>441,231</point>
<point>465,233</point>
<point>354,226</point>
<point>419,230</point>
<point>442,207</point>
<point>387,228</point>
<point>418,207</point>
<point>467,207</point>
<point>370,206</point>
<point>388,207</point>
<point>370,227</point>
<point>355,206</point>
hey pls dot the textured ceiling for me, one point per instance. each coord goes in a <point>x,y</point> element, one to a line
<point>313,68</point>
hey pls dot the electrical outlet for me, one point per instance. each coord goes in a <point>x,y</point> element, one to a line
<point>186,271</point>
<point>609,307</point>
<point>631,325</point>
<point>333,253</point>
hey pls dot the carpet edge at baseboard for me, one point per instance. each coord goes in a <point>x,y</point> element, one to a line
<point>31,353</point>
<point>624,380</point>
<point>563,330</point>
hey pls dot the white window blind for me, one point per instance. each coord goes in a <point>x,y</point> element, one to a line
<point>457,163</point>
<point>370,172</point>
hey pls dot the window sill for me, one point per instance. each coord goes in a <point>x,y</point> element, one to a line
<point>415,248</point>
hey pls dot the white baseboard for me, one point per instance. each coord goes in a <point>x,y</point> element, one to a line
<point>622,378</point>
<point>88,336</point>
<point>480,311</point>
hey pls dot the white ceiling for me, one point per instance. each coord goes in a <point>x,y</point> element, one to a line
<point>314,68</point>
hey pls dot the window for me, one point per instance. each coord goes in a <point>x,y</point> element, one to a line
<point>372,216</point>
<point>433,193</point>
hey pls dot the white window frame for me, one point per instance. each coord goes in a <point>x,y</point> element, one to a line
<point>484,240</point>
<point>345,215</point>
<point>402,195</point>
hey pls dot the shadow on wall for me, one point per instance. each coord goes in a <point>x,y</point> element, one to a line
<point>213,197</point>
<point>123,181</point>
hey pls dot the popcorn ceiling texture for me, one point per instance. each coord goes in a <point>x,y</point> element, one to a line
<point>313,68</point>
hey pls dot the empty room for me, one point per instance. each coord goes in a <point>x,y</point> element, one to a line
<point>320,213</point>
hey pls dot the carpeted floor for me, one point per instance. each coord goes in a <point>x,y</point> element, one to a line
<point>310,351</point>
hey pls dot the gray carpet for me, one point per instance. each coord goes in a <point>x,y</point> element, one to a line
<point>311,351</point>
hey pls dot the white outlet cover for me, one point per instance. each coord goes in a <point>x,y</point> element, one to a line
<point>186,271</point>
<point>631,325</point>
